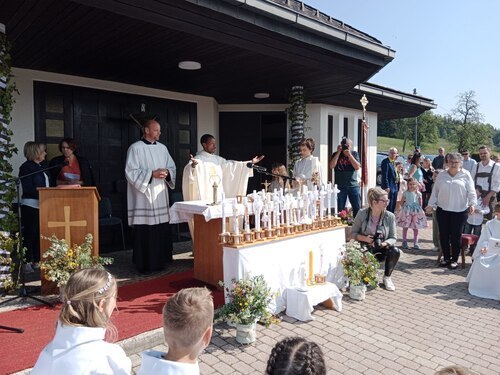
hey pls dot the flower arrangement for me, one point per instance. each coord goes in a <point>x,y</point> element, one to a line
<point>60,260</point>
<point>9,273</point>
<point>346,217</point>
<point>248,301</point>
<point>360,266</point>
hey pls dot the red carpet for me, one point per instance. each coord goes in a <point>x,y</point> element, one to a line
<point>140,306</point>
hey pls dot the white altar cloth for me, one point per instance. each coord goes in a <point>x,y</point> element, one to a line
<point>280,261</point>
<point>182,212</point>
<point>300,303</point>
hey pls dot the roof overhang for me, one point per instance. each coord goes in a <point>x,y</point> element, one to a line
<point>244,46</point>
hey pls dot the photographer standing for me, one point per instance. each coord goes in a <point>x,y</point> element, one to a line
<point>375,227</point>
<point>345,164</point>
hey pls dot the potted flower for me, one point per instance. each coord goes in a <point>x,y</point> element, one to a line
<point>247,302</point>
<point>347,219</point>
<point>60,260</point>
<point>360,267</point>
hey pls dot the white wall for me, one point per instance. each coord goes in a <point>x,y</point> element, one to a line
<point>23,115</point>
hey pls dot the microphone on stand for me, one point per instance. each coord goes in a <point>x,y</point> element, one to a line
<point>258,168</point>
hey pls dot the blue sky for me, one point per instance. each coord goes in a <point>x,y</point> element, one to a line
<point>443,47</point>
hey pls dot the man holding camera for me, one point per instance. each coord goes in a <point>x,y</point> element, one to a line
<point>345,164</point>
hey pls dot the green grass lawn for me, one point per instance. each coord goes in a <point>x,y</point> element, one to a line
<point>384,143</point>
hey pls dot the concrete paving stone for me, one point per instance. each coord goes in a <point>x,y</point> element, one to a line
<point>493,360</point>
<point>372,364</point>
<point>206,369</point>
<point>387,354</point>
<point>355,366</point>
<point>409,363</point>
<point>409,371</point>
<point>223,368</point>
<point>409,355</point>
<point>243,368</point>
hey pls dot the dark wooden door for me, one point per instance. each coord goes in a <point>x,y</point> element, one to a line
<point>101,124</point>
<point>243,135</point>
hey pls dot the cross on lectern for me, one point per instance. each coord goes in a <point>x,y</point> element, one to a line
<point>67,224</point>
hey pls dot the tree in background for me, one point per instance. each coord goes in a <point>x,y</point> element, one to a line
<point>470,133</point>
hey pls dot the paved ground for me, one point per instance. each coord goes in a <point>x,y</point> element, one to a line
<point>429,322</point>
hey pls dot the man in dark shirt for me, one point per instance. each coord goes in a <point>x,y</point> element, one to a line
<point>438,161</point>
<point>345,164</point>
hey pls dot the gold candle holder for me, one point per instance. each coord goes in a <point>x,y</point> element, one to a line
<point>298,228</point>
<point>278,231</point>
<point>249,237</point>
<point>236,239</point>
<point>269,233</point>
<point>223,238</point>
<point>319,279</point>
<point>289,230</point>
<point>258,235</point>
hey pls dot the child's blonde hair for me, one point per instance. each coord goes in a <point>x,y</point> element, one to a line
<point>453,370</point>
<point>412,180</point>
<point>81,297</point>
<point>187,315</point>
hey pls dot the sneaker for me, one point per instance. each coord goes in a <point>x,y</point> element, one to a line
<point>416,247</point>
<point>404,245</point>
<point>27,268</point>
<point>453,265</point>
<point>389,285</point>
<point>443,263</point>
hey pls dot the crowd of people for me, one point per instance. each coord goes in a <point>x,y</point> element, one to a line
<point>453,188</point>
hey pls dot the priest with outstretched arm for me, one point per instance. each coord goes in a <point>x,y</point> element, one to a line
<point>205,168</point>
<point>150,171</point>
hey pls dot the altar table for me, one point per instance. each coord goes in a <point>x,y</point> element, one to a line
<point>280,261</point>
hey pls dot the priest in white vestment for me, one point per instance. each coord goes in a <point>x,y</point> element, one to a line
<point>308,168</point>
<point>484,274</point>
<point>150,171</point>
<point>206,169</point>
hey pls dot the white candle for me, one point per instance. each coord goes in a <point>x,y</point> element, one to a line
<point>223,213</point>
<point>335,205</point>
<point>247,215</point>
<point>257,207</point>
<point>269,210</point>
<point>329,198</point>
<point>235,213</point>
<point>322,201</point>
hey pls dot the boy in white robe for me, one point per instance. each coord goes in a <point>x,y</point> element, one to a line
<point>187,325</point>
<point>150,171</point>
<point>308,168</point>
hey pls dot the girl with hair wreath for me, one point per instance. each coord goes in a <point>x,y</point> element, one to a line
<point>78,346</point>
<point>296,356</point>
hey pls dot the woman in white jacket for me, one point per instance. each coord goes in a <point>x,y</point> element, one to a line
<point>78,346</point>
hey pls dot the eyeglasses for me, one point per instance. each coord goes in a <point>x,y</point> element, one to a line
<point>386,201</point>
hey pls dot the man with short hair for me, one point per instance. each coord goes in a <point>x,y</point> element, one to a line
<point>187,325</point>
<point>468,163</point>
<point>487,175</point>
<point>345,164</point>
<point>150,171</point>
<point>438,162</point>
<point>390,178</point>
<point>205,168</point>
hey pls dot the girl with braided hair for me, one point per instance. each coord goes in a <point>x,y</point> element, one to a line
<point>78,346</point>
<point>296,356</point>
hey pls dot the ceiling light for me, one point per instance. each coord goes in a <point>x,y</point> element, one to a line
<point>189,65</point>
<point>261,95</point>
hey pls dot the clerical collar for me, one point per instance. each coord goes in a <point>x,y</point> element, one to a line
<point>147,142</point>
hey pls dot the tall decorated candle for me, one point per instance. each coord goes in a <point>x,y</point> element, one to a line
<point>223,203</point>
<point>329,198</point>
<point>335,203</point>
<point>311,265</point>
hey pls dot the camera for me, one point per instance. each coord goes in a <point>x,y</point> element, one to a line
<point>378,237</point>
<point>344,144</point>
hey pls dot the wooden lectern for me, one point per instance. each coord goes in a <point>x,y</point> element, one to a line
<point>68,213</point>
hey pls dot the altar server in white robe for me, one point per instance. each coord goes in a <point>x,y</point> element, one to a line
<point>205,168</point>
<point>484,274</point>
<point>78,346</point>
<point>150,171</point>
<point>308,168</point>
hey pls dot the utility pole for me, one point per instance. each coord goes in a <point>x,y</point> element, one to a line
<point>416,123</point>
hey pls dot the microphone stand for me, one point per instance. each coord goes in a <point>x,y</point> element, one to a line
<point>23,291</point>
